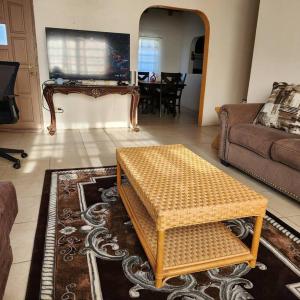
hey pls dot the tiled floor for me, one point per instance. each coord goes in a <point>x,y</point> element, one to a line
<point>96,147</point>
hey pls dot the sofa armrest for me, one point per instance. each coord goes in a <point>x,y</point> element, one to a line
<point>8,206</point>
<point>241,113</point>
<point>231,114</point>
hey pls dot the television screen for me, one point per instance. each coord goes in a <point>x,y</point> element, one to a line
<point>78,54</point>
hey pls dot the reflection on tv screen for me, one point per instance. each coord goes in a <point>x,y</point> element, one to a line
<point>77,54</point>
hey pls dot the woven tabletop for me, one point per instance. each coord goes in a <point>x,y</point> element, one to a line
<point>179,188</point>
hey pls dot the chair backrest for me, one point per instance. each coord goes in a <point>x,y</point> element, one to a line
<point>9,112</point>
<point>8,76</point>
<point>143,76</point>
<point>183,77</point>
<point>170,77</point>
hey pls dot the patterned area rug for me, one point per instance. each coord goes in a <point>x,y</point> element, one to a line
<point>86,248</point>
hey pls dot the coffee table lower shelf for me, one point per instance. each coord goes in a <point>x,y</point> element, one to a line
<point>183,250</point>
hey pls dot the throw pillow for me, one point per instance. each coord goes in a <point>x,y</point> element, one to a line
<point>282,109</point>
<point>289,111</point>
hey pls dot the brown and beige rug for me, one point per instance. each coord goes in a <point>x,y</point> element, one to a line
<point>86,248</point>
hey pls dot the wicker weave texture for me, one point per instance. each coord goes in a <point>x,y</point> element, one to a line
<point>188,245</point>
<point>179,188</point>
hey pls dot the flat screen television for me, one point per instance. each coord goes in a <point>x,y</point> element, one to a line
<point>90,55</point>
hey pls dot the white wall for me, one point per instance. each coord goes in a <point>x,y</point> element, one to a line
<point>157,23</point>
<point>191,92</point>
<point>276,54</point>
<point>231,37</point>
<point>193,27</point>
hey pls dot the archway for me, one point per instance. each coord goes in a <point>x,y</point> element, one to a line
<point>205,51</point>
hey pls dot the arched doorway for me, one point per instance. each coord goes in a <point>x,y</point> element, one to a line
<point>201,53</point>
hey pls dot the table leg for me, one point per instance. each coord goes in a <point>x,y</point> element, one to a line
<point>160,258</point>
<point>255,240</point>
<point>135,98</point>
<point>160,100</point>
<point>48,94</point>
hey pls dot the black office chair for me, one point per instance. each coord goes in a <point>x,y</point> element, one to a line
<point>9,112</point>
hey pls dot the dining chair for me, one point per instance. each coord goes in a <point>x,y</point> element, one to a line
<point>170,77</point>
<point>146,97</point>
<point>180,90</point>
<point>143,76</point>
<point>170,91</point>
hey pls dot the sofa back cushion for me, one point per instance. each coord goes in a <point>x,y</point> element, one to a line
<point>282,109</point>
<point>287,151</point>
<point>257,138</point>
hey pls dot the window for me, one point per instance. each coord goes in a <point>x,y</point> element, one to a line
<point>74,56</point>
<point>3,35</point>
<point>149,54</point>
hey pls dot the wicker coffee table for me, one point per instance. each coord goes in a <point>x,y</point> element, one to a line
<point>176,201</point>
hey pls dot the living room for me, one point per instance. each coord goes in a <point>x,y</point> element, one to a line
<point>105,201</point>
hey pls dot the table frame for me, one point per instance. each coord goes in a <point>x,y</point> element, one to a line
<point>161,274</point>
<point>94,91</point>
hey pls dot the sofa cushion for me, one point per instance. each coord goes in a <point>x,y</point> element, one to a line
<point>282,109</point>
<point>287,151</point>
<point>257,138</point>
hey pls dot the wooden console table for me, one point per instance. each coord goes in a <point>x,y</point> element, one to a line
<point>93,91</point>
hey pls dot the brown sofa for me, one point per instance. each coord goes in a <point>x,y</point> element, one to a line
<point>268,154</point>
<point>8,212</point>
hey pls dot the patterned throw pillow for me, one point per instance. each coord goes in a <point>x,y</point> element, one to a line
<point>282,109</point>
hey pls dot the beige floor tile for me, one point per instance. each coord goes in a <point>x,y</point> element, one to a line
<point>61,137</point>
<point>149,142</point>
<point>126,144</point>
<point>17,281</point>
<point>29,166</point>
<point>285,206</point>
<point>295,219</point>
<point>210,130</point>
<point>274,212</point>
<point>37,152</point>
<point>291,223</point>
<point>28,209</point>
<point>127,135</point>
<point>102,160</point>
<point>94,135</point>
<point>61,151</point>
<point>100,148</point>
<point>29,187</point>
<point>28,180</point>
<point>10,139</point>
<point>72,160</point>
<point>22,238</point>
<point>26,184</point>
<point>2,171</point>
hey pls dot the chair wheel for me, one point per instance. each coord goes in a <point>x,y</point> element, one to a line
<point>17,165</point>
<point>24,155</point>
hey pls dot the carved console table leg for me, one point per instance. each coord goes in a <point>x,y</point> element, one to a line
<point>48,94</point>
<point>135,98</point>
